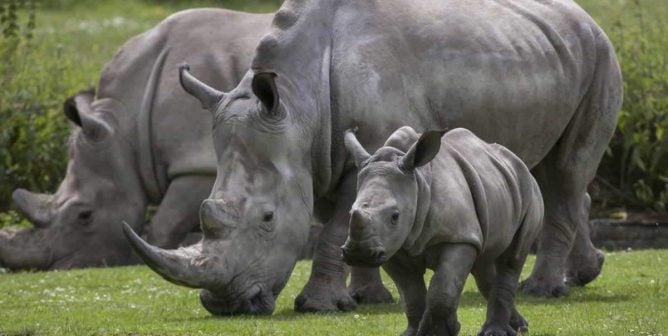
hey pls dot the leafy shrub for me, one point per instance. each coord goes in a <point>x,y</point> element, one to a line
<point>38,71</point>
<point>634,173</point>
<point>32,129</point>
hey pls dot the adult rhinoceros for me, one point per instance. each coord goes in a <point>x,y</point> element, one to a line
<point>539,77</point>
<point>141,140</point>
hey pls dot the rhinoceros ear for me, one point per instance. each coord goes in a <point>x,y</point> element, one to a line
<point>71,107</point>
<point>354,147</point>
<point>78,109</point>
<point>423,151</point>
<point>264,87</point>
<point>206,95</point>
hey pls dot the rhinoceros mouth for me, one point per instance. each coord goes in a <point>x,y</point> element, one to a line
<point>364,257</point>
<point>23,250</point>
<point>255,301</point>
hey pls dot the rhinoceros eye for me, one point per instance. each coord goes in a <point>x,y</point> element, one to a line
<point>85,216</point>
<point>268,216</point>
<point>395,217</point>
<point>268,223</point>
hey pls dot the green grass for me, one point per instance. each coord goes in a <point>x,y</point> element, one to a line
<point>73,40</point>
<point>629,298</point>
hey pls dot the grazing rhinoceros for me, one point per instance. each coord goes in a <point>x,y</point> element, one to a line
<point>539,77</point>
<point>142,140</point>
<point>470,207</point>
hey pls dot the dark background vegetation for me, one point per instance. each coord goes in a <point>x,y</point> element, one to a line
<point>50,49</point>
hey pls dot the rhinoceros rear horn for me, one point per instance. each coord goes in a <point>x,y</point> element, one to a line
<point>37,207</point>
<point>184,266</point>
<point>206,95</point>
<point>355,149</point>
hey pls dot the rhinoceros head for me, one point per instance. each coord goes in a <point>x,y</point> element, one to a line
<point>386,206</point>
<point>256,220</point>
<point>79,225</point>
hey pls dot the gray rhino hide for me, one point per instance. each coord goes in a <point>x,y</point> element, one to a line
<point>142,140</point>
<point>539,77</point>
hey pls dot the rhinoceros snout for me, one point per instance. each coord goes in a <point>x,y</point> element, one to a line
<point>359,256</point>
<point>260,303</point>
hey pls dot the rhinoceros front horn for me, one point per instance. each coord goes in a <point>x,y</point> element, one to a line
<point>206,95</point>
<point>184,266</point>
<point>36,207</point>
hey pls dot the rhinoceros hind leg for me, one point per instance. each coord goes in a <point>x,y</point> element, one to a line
<point>583,269</point>
<point>326,288</point>
<point>566,171</point>
<point>366,287</point>
<point>484,275</point>
<point>585,261</point>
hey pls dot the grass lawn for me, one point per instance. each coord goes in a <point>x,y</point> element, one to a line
<point>74,38</point>
<point>630,298</point>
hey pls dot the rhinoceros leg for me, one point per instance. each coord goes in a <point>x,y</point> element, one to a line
<point>408,274</point>
<point>326,289</point>
<point>366,286</point>
<point>502,315</point>
<point>585,261</point>
<point>484,275</point>
<point>565,173</point>
<point>178,212</point>
<point>453,263</point>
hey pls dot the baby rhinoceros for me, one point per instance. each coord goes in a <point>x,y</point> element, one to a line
<point>471,207</point>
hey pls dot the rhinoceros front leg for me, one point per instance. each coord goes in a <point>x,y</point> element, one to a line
<point>452,267</point>
<point>178,212</point>
<point>326,289</point>
<point>366,286</point>
<point>408,275</point>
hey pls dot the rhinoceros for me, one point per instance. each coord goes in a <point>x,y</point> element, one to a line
<point>452,203</point>
<point>141,141</point>
<point>539,77</point>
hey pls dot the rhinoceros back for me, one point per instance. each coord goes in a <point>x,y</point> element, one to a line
<point>513,72</point>
<point>171,131</point>
<point>480,194</point>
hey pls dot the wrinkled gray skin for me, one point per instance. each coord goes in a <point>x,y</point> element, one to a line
<point>540,78</point>
<point>142,140</point>
<point>451,203</point>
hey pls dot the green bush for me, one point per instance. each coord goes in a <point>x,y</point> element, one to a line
<point>32,130</point>
<point>634,173</point>
<point>41,66</point>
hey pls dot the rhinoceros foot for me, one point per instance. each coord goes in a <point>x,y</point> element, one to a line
<point>322,299</point>
<point>518,323</point>
<point>374,293</point>
<point>544,288</point>
<point>429,325</point>
<point>410,331</point>
<point>584,269</point>
<point>497,330</point>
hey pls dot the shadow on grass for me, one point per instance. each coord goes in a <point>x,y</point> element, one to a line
<point>471,299</point>
<point>589,298</point>
<point>25,332</point>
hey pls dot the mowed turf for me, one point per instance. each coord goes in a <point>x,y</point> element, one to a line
<point>629,298</point>
<point>71,45</point>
